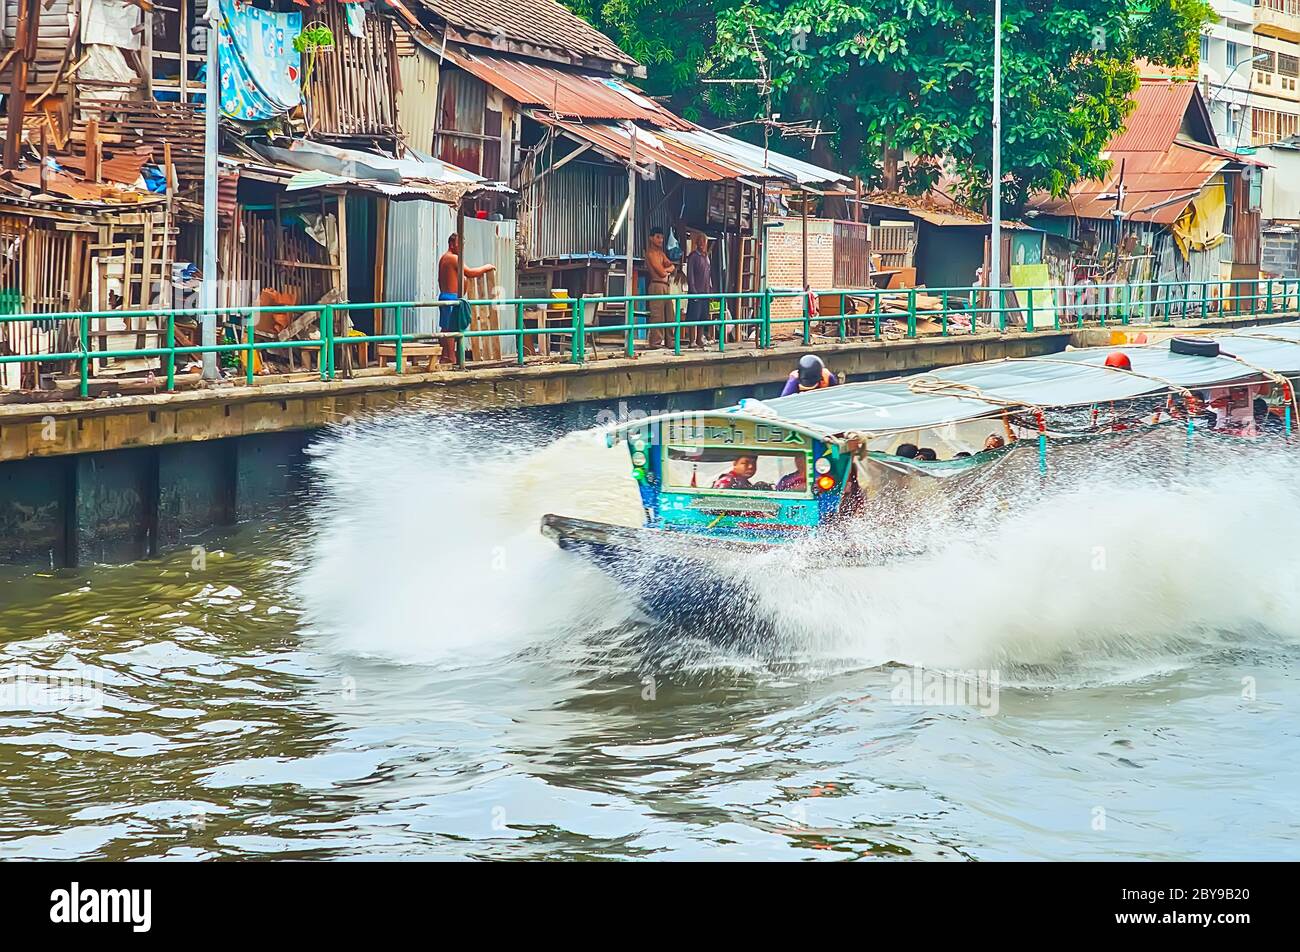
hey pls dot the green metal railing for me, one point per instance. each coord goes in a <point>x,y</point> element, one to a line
<point>753,319</point>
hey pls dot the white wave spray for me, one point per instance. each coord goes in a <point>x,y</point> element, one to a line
<point>425,540</point>
<point>426,548</point>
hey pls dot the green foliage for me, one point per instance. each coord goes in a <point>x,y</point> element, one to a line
<point>917,75</point>
<point>313,37</point>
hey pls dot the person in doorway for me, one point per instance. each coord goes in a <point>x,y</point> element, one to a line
<point>810,375</point>
<point>660,268</point>
<point>454,317</point>
<point>738,477</point>
<point>699,280</point>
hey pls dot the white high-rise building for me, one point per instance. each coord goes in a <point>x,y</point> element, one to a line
<point>1250,71</point>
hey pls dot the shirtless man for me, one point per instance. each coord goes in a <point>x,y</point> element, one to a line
<point>656,261</point>
<point>449,286</point>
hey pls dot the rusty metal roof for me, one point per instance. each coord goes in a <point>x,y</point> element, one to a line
<point>1162,168</point>
<point>566,93</point>
<point>540,23</point>
<point>1162,106</point>
<point>695,154</point>
<point>1157,185</point>
<point>615,141</point>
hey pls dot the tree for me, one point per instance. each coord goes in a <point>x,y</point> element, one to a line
<point>673,39</point>
<point>917,75</point>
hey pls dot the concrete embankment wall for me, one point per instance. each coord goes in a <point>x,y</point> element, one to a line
<point>115,479</point>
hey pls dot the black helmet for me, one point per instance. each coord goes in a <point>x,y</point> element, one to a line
<point>810,370</point>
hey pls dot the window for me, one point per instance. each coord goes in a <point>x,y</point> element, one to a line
<point>1205,48</point>
<point>1265,65</point>
<point>1232,54</point>
<point>1269,126</point>
<point>1288,65</point>
<point>736,469</point>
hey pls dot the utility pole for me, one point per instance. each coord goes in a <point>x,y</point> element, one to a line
<point>630,288</point>
<point>994,278</point>
<point>211,109</point>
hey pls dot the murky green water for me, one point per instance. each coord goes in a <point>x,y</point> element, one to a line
<point>418,675</point>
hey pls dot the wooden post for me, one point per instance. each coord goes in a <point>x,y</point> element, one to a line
<point>92,149</point>
<point>184,49</point>
<point>25,39</point>
<point>45,154</point>
<point>460,261</point>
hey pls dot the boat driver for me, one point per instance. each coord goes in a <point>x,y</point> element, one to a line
<point>742,471</point>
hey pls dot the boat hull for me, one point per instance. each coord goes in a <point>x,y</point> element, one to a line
<point>678,580</point>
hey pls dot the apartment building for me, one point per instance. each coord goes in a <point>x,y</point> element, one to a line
<point>1250,71</point>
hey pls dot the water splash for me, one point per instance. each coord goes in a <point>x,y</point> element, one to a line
<point>425,543</point>
<point>1129,559</point>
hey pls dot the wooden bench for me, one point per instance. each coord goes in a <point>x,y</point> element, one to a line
<point>432,352</point>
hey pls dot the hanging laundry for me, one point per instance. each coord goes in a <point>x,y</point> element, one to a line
<point>260,69</point>
<point>356,16</point>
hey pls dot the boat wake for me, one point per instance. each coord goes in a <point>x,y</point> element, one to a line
<point>425,549</point>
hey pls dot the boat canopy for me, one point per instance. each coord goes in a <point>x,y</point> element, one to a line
<point>1073,378</point>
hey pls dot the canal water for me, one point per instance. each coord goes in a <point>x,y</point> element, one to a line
<point>400,666</point>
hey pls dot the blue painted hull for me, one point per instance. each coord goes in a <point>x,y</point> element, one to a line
<point>676,579</point>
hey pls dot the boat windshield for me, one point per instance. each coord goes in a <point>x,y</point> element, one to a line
<point>735,469</point>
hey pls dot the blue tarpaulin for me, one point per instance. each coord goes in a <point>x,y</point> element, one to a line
<point>260,69</point>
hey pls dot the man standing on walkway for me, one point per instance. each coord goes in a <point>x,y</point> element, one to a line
<point>699,280</point>
<point>660,268</point>
<point>455,318</point>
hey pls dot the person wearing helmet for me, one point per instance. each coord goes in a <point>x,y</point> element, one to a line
<point>811,375</point>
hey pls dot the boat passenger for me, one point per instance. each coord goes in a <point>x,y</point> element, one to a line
<point>927,455</point>
<point>962,455</point>
<point>906,450</point>
<point>795,482</point>
<point>811,375</point>
<point>994,442</point>
<point>738,477</point>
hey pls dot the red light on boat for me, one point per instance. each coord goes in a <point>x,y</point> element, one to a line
<point>825,483</point>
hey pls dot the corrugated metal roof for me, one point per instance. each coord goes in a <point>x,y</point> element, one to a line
<point>694,154</point>
<point>566,93</point>
<point>615,141</point>
<point>541,23</point>
<point>1150,179</point>
<point>1162,171</point>
<point>1153,125</point>
<point>747,154</point>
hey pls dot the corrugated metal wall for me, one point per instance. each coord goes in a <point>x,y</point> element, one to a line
<point>572,210</point>
<point>417,103</point>
<point>417,236</point>
<point>410,265</point>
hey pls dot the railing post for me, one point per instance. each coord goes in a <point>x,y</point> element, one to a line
<point>807,317</point>
<point>1128,300</point>
<point>85,355</point>
<point>397,348</point>
<point>767,317</point>
<point>629,315</point>
<point>911,312</point>
<point>677,324</point>
<point>249,320</point>
<point>578,345</point>
<point>1029,310</point>
<point>171,351</point>
<point>944,312</point>
<point>1002,310</point>
<point>519,326</point>
<point>326,358</point>
<point>1270,295</point>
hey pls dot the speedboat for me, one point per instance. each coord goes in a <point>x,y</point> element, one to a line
<point>720,487</point>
